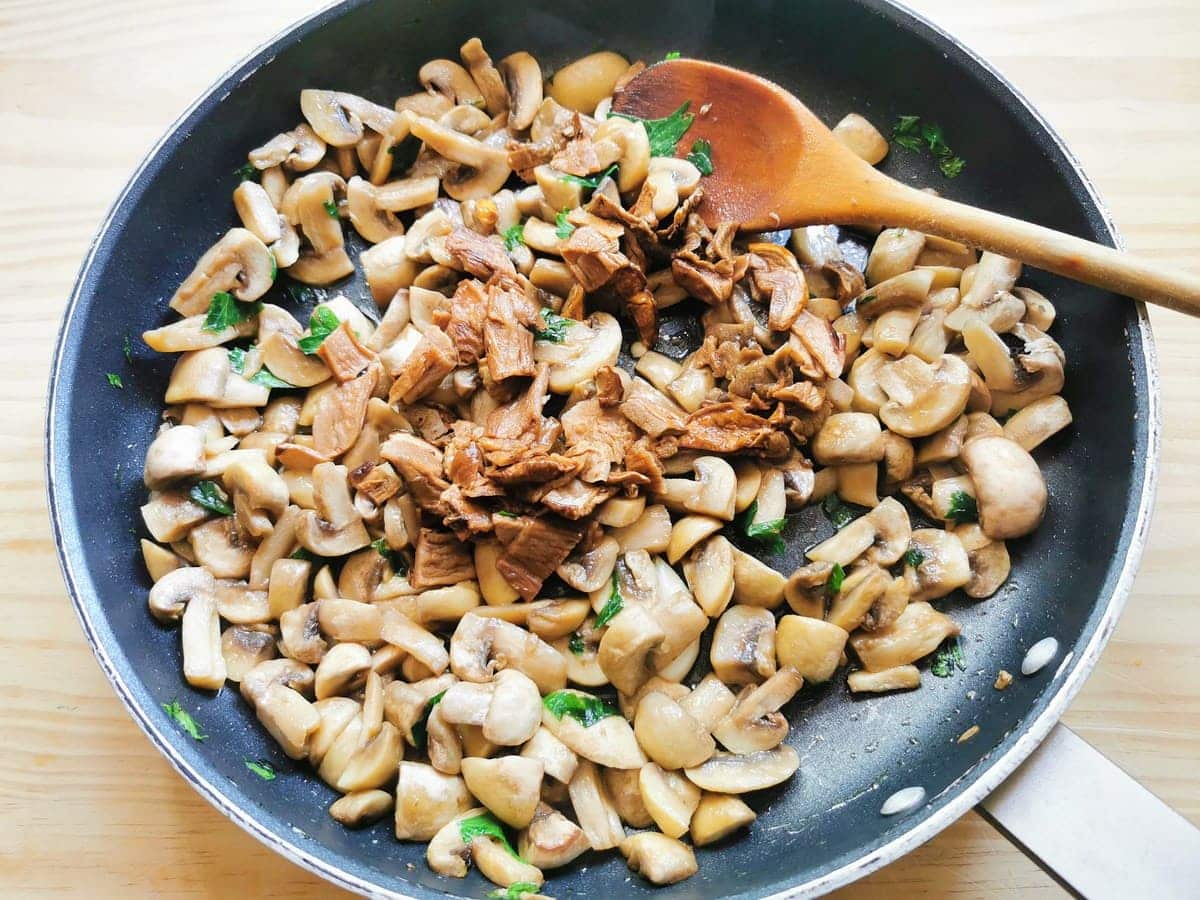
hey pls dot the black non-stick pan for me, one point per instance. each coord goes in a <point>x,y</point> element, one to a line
<point>824,828</point>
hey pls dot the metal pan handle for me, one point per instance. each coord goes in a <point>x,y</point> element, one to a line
<point>1092,827</point>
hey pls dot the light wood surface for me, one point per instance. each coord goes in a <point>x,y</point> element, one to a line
<point>87,807</point>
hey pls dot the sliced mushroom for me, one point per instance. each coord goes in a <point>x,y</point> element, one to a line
<point>244,648</point>
<point>176,453</point>
<point>322,539</point>
<point>755,583</point>
<point>480,645</point>
<point>918,631</point>
<point>710,574</point>
<point>669,797</point>
<point>342,670</point>
<point>330,119</point>
<point>608,742</point>
<point>300,634</point>
<point>625,649</point>
<point>238,263</point>
<point>810,646</point>
<point>361,808</point>
<point>988,559</point>
<point>426,800</point>
<point>651,532</point>
<point>738,773</point>
<point>485,168</point>
<point>289,718</point>
<point>669,735</point>
<point>755,723</point>
<point>896,679</point>
<point>485,76</point>
<point>287,672</point>
<point>558,760</point>
<point>591,570</point>
<point>712,493</point>
<point>922,398</point>
<point>220,547</point>
<point>1037,422</point>
<point>717,816</point>
<point>587,346</point>
<point>509,786</point>
<point>594,808</point>
<point>658,858</point>
<point>551,840</point>
<point>174,590</point>
<point>368,216</point>
<point>448,78</point>
<point>743,645</point>
<point>1009,487</point>
<point>515,713</point>
<point>203,661</point>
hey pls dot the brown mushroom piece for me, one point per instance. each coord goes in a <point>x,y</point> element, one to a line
<point>370,219</point>
<point>342,670</point>
<point>329,118</point>
<point>1009,487</point>
<point>288,717</point>
<point>810,646</point>
<point>483,168</point>
<point>943,565</point>
<point>658,858</point>
<point>850,437</point>
<point>592,568</point>
<point>239,263</point>
<point>1037,422</point>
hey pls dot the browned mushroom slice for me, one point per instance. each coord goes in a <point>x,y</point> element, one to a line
<point>238,263</point>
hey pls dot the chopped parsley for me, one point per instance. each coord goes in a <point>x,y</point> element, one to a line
<point>911,134</point>
<point>665,133</point>
<point>914,557</point>
<point>420,729</point>
<point>701,156</point>
<point>555,331</point>
<point>507,513</point>
<point>184,720</point>
<point>302,294</point>
<point>839,513</point>
<point>583,708</point>
<point>485,825</point>
<point>246,172</point>
<point>261,768</point>
<point>674,54</point>
<point>127,349</point>
<point>575,644</point>
<point>590,182</point>
<point>225,312</point>
<point>394,559</point>
<point>562,228</point>
<point>237,360</point>
<point>115,380</point>
<point>321,324</point>
<point>836,578</point>
<point>267,379</point>
<point>514,237</point>
<point>948,658</point>
<point>612,606</point>
<point>515,891</point>
<point>209,495</point>
<point>302,554</point>
<point>962,508</point>
<point>274,265</point>
<point>766,533</point>
<point>331,208</point>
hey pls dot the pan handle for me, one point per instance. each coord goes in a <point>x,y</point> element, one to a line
<point>1092,827</point>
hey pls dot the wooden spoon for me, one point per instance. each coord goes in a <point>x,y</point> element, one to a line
<point>778,166</point>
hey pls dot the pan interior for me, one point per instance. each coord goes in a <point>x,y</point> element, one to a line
<point>854,56</point>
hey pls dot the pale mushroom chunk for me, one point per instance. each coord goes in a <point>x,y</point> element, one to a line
<point>1010,488</point>
<point>811,646</point>
<point>658,858</point>
<point>918,631</point>
<point>899,678</point>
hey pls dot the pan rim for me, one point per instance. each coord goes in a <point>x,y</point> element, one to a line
<point>984,777</point>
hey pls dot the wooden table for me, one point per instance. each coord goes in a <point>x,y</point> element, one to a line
<point>86,87</point>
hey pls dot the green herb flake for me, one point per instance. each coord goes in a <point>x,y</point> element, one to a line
<point>952,166</point>
<point>487,826</point>
<point>575,644</point>
<point>267,379</point>
<point>674,54</point>
<point>127,349</point>
<point>507,513</point>
<point>766,533</point>
<point>226,312</point>
<point>665,133</point>
<point>246,172</point>
<point>262,769</point>
<point>301,294</point>
<point>562,228</point>
<point>115,380</point>
<point>420,729</point>
<point>701,156</point>
<point>590,182</point>
<point>914,557</point>
<point>948,658</point>
<point>836,578</point>
<point>184,720</point>
<point>837,512</point>
<point>321,324</point>
<point>911,134</point>
<point>331,208</point>
<point>395,560</point>
<point>612,606</point>
<point>962,508</point>
<point>555,331</point>
<point>518,890</point>
<point>237,360</point>
<point>909,142</point>
<point>302,554</point>
<point>274,266</point>
<point>514,237</point>
<point>583,708</point>
<point>209,495</point>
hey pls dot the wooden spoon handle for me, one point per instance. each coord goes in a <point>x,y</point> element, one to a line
<point>1044,248</point>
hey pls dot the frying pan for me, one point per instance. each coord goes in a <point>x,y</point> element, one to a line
<point>824,828</point>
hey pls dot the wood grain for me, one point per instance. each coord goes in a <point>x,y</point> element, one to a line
<point>88,808</point>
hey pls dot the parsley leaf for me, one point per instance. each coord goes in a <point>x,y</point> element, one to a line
<point>952,166</point>
<point>906,125</point>
<point>301,294</point>
<point>127,349</point>
<point>962,508</point>
<point>839,513</point>
<point>701,156</point>
<point>267,379</point>
<point>766,533</point>
<point>590,182</point>
<point>209,495</point>
<point>674,54</point>
<point>261,768</point>
<point>237,360</point>
<point>485,825</point>
<point>115,380</point>
<point>507,513</point>
<point>246,172</point>
<point>914,557</point>
<point>614,605</point>
<point>949,657</point>
<point>909,142</point>
<point>420,729</point>
<point>665,133</point>
<point>395,560</point>
<point>563,228</point>
<point>514,891</point>
<point>321,324</point>
<point>225,312</point>
<point>555,331</point>
<point>583,708</point>
<point>514,237</point>
<point>575,645</point>
<point>184,720</point>
<point>912,135</point>
<point>331,208</point>
<point>302,554</point>
<point>836,578</point>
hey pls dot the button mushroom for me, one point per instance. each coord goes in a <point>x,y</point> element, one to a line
<point>712,493</point>
<point>811,646</point>
<point>484,169</point>
<point>755,722</point>
<point>739,773</point>
<point>607,741</point>
<point>1009,487</point>
<point>658,858</point>
<point>426,800</point>
<point>669,735</point>
<point>342,670</point>
<point>239,263</point>
<point>243,648</point>
<point>943,565</point>
<point>558,760</point>
<point>509,786</point>
<point>172,592</point>
<point>586,347</point>
<point>916,633</point>
<point>480,645</point>
<point>177,453</point>
<point>717,816</point>
<point>551,840</point>
<point>203,661</point>
<point>523,81</point>
<point>709,572</point>
<point>625,649</point>
<point>594,808</point>
<point>361,808</point>
<point>923,398</point>
<point>289,718</point>
<point>988,559</point>
<point>448,78</point>
<point>743,645</point>
<point>669,797</point>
